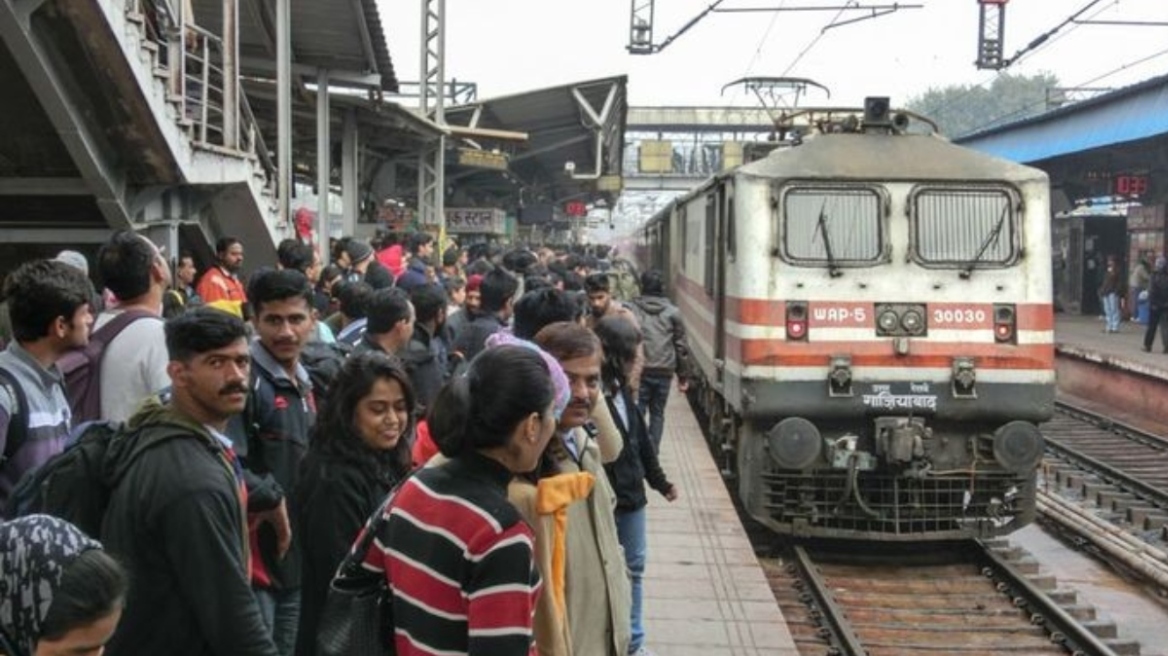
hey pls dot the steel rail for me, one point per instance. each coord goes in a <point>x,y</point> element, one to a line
<point>841,628</point>
<point>1141,488</point>
<point>1064,628</point>
<point>1145,437</point>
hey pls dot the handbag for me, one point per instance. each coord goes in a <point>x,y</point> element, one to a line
<point>357,618</point>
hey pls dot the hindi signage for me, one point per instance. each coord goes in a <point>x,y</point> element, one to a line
<point>475,221</point>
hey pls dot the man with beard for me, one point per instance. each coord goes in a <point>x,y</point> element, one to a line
<point>426,355</point>
<point>176,516</point>
<point>598,286</point>
<point>271,437</point>
<point>221,282</point>
<point>48,303</point>
<point>595,588</point>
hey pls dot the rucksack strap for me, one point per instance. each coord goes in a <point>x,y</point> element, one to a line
<point>117,324</point>
<point>17,426</point>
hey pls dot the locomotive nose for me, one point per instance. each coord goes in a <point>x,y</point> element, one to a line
<point>1018,446</point>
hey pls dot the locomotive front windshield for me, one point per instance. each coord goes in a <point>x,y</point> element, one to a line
<point>966,228</point>
<point>832,226</point>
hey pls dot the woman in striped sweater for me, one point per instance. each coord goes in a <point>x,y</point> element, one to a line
<point>457,555</point>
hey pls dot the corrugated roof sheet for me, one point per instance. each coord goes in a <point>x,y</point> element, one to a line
<point>1129,114</point>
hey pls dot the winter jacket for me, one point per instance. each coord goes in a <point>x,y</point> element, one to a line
<point>472,338</point>
<point>663,334</point>
<point>176,521</point>
<point>414,275</point>
<point>597,589</point>
<point>1158,291</point>
<point>425,360</point>
<point>271,438</point>
<point>334,497</point>
<point>637,462</point>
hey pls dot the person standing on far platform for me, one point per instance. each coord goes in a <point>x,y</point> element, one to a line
<point>1109,293</point>
<point>1158,306</point>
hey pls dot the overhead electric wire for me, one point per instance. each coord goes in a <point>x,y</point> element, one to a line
<point>816,39</point>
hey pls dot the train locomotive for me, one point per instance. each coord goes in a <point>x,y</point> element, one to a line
<point>869,312</point>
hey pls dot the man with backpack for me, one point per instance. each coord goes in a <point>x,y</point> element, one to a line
<point>129,343</point>
<point>177,511</point>
<point>48,304</point>
<point>271,437</point>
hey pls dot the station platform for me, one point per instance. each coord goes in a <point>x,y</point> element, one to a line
<point>704,591</point>
<point>1109,373</point>
<point>1082,337</point>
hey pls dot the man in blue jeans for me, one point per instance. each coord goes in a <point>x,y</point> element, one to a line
<point>666,351</point>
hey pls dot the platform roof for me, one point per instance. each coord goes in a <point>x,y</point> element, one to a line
<point>1127,115</point>
<point>344,37</point>
<point>559,130</point>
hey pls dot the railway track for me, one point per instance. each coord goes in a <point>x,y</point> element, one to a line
<point>1106,485</point>
<point>969,599</point>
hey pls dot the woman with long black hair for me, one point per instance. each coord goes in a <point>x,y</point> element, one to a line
<point>359,450</point>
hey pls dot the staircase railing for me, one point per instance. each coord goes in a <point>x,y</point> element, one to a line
<point>203,79</point>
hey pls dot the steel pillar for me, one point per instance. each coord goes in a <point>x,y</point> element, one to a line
<point>323,165</point>
<point>641,28</point>
<point>432,162</point>
<point>350,179</point>
<point>284,106</point>
<point>991,34</point>
<point>230,73</point>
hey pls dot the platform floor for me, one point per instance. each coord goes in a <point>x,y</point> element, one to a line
<point>705,593</point>
<point>1083,336</point>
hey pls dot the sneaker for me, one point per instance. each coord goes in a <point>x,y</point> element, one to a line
<point>643,651</point>
<point>1146,349</point>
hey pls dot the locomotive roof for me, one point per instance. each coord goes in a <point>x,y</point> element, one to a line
<point>888,157</point>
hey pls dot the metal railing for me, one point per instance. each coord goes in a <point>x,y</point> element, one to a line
<point>203,79</point>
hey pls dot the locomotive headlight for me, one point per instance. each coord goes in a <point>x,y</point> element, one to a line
<point>1018,446</point>
<point>888,321</point>
<point>912,322</point>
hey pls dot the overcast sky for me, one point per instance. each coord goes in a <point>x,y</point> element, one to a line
<point>510,46</point>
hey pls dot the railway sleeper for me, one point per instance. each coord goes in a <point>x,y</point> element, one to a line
<point>1148,518</point>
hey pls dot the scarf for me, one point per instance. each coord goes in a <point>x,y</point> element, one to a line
<point>34,553</point>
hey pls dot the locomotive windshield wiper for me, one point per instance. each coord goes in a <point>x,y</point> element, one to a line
<point>990,238</point>
<point>832,269</point>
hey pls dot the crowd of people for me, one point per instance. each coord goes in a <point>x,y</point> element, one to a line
<point>474,426</point>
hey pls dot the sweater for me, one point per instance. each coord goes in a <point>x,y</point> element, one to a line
<point>460,563</point>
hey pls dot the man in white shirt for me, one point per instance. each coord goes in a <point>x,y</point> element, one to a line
<point>133,366</point>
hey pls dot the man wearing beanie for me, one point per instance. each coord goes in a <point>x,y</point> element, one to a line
<point>470,307</point>
<point>364,267</point>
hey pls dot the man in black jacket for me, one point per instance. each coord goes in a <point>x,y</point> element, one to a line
<point>666,351</point>
<point>426,355</point>
<point>272,438</point>
<point>177,516</point>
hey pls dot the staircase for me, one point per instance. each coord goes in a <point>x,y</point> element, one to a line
<point>153,115</point>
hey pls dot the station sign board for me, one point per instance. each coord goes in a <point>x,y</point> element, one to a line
<point>483,159</point>
<point>476,221</point>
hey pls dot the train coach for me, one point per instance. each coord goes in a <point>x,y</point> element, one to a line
<point>869,308</point>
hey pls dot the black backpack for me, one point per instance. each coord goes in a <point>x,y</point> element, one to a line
<point>323,362</point>
<point>74,485</point>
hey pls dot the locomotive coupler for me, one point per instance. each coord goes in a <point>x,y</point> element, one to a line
<point>901,439</point>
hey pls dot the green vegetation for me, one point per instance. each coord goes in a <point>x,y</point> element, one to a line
<point>962,109</point>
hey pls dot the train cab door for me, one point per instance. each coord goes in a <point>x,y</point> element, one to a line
<point>716,213</point>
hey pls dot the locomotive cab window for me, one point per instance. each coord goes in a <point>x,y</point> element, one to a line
<point>971,228</point>
<point>833,226</point>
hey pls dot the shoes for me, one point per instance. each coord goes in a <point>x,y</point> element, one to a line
<point>1146,349</point>
<point>643,651</point>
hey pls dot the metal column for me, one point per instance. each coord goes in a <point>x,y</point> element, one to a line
<point>230,72</point>
<point>350,181</point>
<point>323,165</point>
<point>284,104</point>
<point>432,162</point>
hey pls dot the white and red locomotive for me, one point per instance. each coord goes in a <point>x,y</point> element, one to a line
<point>870,312</point>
